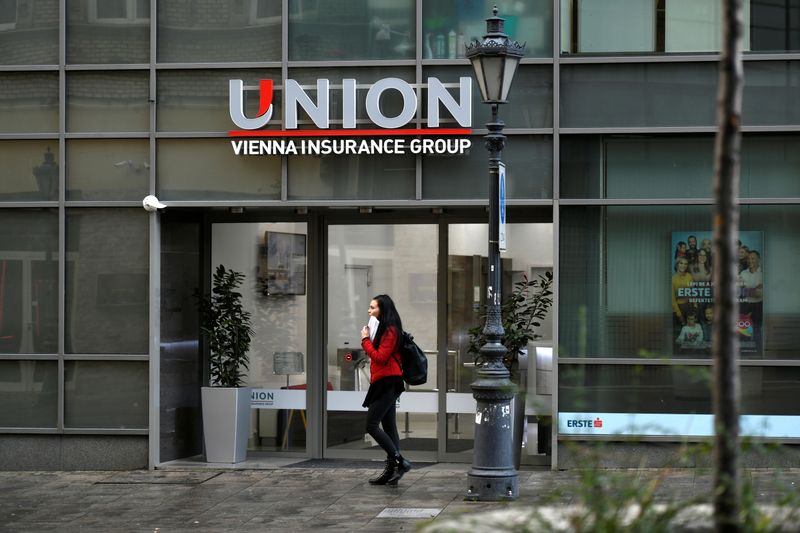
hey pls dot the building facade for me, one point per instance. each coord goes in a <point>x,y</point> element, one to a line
<point>610,127</point>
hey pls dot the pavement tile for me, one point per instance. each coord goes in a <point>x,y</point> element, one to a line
<point>293,499</point>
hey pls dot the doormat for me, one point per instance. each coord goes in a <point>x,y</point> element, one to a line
<point>348,463</point>
<point>429,445</point>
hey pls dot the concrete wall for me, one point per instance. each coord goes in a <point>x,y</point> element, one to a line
<point>73,452</point>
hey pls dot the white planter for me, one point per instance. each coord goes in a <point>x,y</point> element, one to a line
<point>226,423</point>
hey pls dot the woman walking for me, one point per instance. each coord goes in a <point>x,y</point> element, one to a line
<point>386,385</point>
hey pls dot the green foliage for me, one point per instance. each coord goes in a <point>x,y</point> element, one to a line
<point>226,327</point>
<point>521,314</point>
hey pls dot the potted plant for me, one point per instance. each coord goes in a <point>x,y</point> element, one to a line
<point>521,313</point>
<point>227,329</point>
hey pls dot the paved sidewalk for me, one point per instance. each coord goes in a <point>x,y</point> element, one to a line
<point>269,495</point>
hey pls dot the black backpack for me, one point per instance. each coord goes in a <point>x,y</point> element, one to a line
<point>414,362</point>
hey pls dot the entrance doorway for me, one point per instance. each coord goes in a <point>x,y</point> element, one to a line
<point>308,284</point>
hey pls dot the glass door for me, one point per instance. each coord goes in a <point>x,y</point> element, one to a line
<point>273,258</point>
<point>363,261</point>
<point>529,254</point>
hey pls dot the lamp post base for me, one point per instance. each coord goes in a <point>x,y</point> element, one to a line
<point>492,485</point>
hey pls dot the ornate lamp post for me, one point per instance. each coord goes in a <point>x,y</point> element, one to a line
<point>47,176</point>
<point>493,476</point>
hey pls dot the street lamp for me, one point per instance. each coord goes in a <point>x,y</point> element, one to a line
<point>493,476</point>
<point>47,176</point>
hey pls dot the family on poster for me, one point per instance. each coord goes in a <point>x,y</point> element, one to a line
<point>693,291</point>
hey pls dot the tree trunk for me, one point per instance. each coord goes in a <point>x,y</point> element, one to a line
<point>726,228</point>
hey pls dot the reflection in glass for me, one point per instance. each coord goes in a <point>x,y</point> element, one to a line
<point>674,26</point>
<point>529,160</point>
<point>28,281</point>
<point>28,102</point>
<point>107,281</point>
<point>346,177</point>
<point>114,32</point>
<point>646,95</point>
<point>771,95</point>
<point>108,101</point>
<point>671,26</point>
<point>449,24</point>
<point>29,394</point>
<point>677,167</point>
<point>208,169</point>
<point>227,30</point>
<point>106,394</point>
<point>30,170</point>
<point>181,361</point>
<point>29,32</point>
<point>108,169</point>
<point>617,265</point>
<point>197,100</point>
<point>278,351</point>
<point>328,30</point>
<point>672,389</point>
<point>363,261</point>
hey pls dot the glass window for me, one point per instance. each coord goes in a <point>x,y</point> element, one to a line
<point>671,26</point>
<point>529,170</point>
<point>672,389</point>
<point>108,169</point>
<point>529,254</point>
<point>679,94</point>
<point>29,394</point>
<point>28,281</point>
<point>775,25</point>
<point>530,101</point>
<point>273,257</point>
<point>29,33</point>
<point>364,261</point>
<point>772,93</point>
<point>608,26</point>
<point>108,101</point>
<point>181,362</point>
<point>324,30</point>
<point>108,31</point>
<point>107,282</point>
<point>638,95</point>
<point>625,166</point>
<point>197,100</point>
<point>391,102</point>
<point>28,102</point>
<point>119,11</point>
<point>205,32</point>
<point>346,177</point>
<point>447,25</point>
<point>209,169</point>
<point>631,277</point>
<point>106,394</point>
<point>30,170</point>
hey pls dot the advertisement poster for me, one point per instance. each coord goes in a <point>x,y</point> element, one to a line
<point>693,291</point>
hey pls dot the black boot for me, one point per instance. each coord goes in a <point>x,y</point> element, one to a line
<point>386,475</point>
<point>401,466</point>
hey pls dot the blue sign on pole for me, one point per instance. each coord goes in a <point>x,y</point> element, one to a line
<point>501,175</point>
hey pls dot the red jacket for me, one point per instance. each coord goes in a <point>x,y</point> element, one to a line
<point>385,361</point>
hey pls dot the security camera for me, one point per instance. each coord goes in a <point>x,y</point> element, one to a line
<point>151,203</point>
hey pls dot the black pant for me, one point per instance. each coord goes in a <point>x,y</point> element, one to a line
<point>383,411</point>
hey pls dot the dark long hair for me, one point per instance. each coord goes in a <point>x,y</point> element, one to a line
<point>389,317</point>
